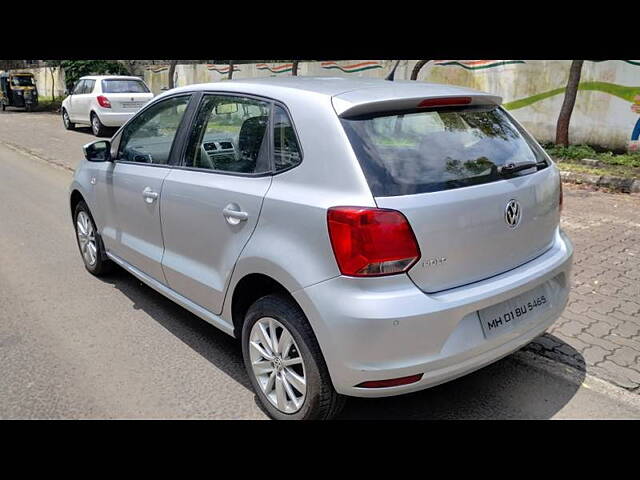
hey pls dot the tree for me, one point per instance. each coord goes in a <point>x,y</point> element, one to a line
<point>230,69</point>
<point>74,69</point>
<point>52,65</point>
<point>172,70</point>
<point>294,68</point>
<point>570,94</point>
<point>417,67</point>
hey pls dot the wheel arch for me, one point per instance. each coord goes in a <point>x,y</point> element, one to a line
<point>247,290</point>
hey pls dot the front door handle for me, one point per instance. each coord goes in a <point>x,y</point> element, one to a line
<point>149,195</point>
<point>234,215</point>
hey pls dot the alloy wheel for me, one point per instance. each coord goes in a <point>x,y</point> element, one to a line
<point>86,238</point>
<point>277,365</point>
<point>95,125</point>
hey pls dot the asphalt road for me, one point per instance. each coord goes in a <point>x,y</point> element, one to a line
<point>74,346</point>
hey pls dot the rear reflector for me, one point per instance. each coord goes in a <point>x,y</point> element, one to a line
<point>444,102</point>
<point>394,382</point>
<point>561,197</point>
<point>371,241</point>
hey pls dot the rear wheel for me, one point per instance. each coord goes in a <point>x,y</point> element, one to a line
<point>89,242</point>
<point>99,130</point>
<point>67,121</point>
<point>285,364</point>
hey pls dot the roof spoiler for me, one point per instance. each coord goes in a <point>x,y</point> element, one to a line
<point>354,107</point>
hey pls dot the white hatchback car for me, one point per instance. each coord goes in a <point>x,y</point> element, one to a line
<point>103,102</point>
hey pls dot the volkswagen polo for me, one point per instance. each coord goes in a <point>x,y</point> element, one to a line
<point>359,237</point>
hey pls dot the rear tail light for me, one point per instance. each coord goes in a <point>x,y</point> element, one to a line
<point>103,101</point>
<point>393,382</point>
<point>444,102</point>
<point>371,241</point>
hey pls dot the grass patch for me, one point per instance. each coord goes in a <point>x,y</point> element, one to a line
<point>609,170</point>
<point>47,104</point>
<point>578,152</point>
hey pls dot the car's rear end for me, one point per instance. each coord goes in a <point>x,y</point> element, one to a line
<point>119,98</point>
<point>461,263</point>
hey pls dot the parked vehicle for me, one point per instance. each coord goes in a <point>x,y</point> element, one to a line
<point>18,90</point>
<point>360,237</point>
<point>104,102</point>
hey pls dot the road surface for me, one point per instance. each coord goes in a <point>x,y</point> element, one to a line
<point>74,346</point>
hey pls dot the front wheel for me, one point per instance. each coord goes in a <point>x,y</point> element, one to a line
<point>285,364</point>
<point>89,242</point>
<point>68,124</point>
<point>99,130</point>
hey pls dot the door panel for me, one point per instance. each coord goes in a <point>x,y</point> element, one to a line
<point>201,243</point>
<point>132,187</point>
<point>132,224</point>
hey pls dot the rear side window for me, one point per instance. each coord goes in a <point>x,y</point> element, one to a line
<point>430,151</point>
<point>124,86</point>
<point>286,152</point>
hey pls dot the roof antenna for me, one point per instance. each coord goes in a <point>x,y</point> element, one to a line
<point>393,71</point>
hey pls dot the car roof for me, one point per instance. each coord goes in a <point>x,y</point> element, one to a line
<point>109,77</point>
<point>347,92</point>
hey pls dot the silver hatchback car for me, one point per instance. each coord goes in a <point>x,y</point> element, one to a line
<point>360,237</point>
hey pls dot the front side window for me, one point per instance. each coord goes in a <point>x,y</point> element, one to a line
<point>229,135</point>
<point>286,152</point>
<point>124,86</point>
<point>429,151</point>
<point>149,136</point>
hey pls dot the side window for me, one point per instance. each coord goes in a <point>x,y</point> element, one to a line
<point>79,87</point>
<point>286,152</point>
<point>149,136</point>
<point>88,86</point>
<point>229,135</point>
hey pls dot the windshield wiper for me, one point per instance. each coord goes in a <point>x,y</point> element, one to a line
<point>511,168</point>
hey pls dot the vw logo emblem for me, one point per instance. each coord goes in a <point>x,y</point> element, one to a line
<point>513,213</point>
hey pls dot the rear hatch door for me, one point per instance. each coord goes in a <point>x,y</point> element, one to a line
<point>481,195</point>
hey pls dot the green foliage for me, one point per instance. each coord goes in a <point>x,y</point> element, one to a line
<point>578,152</point>
<point>74,69</point>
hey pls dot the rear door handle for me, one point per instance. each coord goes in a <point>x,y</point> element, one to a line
<point>149,195</point>
<point>234,215</point>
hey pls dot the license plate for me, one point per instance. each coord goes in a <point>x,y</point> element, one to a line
<point>132,104</point>
<point>505,316</point>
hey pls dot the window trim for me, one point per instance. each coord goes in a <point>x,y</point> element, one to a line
<point>180,164</point>
<point>177,138</point>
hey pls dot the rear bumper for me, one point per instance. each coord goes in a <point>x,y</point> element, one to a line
<point>111,119</point>
<point>383,328</point>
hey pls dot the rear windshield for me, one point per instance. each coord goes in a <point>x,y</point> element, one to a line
<point>124,86</point>
<point>428,151</point>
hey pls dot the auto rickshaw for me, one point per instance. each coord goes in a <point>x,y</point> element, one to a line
<point>18,90</point>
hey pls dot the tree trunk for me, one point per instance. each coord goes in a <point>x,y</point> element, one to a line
<point>230,69</point>
<point>294,68</point>
<point>53,86</point>
<point>172,71</point>
<point>562,128</point>
<point>416,69</point>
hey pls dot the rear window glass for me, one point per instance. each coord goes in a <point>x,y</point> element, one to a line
<point>124,86</point>
<point>429,151</point>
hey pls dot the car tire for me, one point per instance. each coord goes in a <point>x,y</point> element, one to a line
<point>87,237</point>
<point>68,124</point>
<point>98,129</point>
<point>320,401</point>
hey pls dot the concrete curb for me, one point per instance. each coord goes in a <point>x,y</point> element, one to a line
<point>585,379</point>
<point>619,184</point>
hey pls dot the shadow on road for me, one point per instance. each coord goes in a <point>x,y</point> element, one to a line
<point>507,389</point>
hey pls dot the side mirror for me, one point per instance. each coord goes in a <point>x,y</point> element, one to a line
<point>98,151</point>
